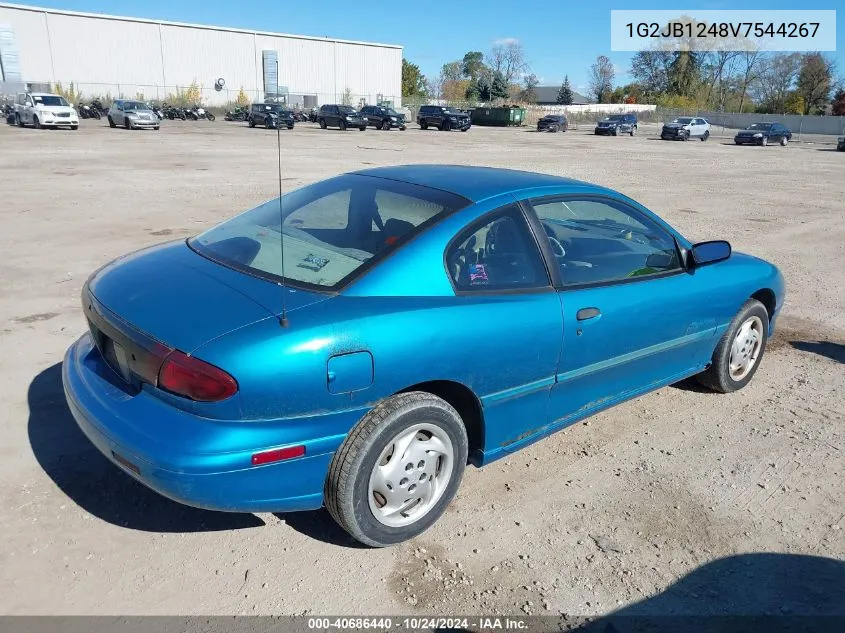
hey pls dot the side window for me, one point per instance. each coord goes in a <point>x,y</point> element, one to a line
<point>603,241</point>
<point>498,254</point>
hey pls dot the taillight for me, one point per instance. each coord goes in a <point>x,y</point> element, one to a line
<point>195,379</point>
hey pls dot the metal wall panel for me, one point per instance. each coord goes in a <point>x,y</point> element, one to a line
<point>30,34</point>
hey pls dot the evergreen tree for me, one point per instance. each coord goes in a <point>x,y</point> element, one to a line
<point>564,95</point>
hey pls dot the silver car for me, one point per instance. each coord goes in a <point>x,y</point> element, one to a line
<point>132,115</point>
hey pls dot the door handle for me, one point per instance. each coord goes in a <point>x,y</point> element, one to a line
<point>587,313</point>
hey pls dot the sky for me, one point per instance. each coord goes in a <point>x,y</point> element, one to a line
<point>557,39</point>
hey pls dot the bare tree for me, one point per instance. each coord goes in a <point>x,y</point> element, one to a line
<point>750,62</point>
<point>776,79</point>
<point>720,67</point>
<point>508,58</point>
<point>601,78</point>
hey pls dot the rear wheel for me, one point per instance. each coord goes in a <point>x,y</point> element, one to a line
<point>385,125</point>
<point>95,114</point>
<point>633,130</point>
<point>322,124</point>
<point>738,354</point>
<point>554,128</point>
<point>210,116</point>
<point>362,128</point>
<point>705,136</point>
<point>398,469</point>
<point>342,124</point>
<point>783,141</point>
<point>251,123</point>
<point>764,141</point>
<point>111,122</point>
<point>423,125</point>
<point>446,125</point>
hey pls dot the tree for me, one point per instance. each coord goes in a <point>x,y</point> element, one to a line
<point>601,78</point>
<point>529,91</point>
<point>650,69</point>
<point>794,103</point>
<point>838,105</point>
<point>243,99</point>
<point>814,82</point>
<point>346,97</point>
<point>453,87</point>
<point>413,81</point>
<point>775,79</point>
<point>564,95</point>
<point>498,87</point>
<point>508,59</point>
<point>750,63</point>
<point>472,65</point>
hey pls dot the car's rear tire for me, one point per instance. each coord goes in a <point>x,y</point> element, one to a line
<point>445,126</point>
<point>740,350</point>
<point>633,130</point>
<point>423,125</point>
<point>111,122</point>
<point>322,123</point>
<point>385,125</point>
<point>408,445</point>
<point>783,141</point>
<point>705,136</point>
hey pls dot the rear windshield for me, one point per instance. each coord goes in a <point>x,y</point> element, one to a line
<point>333,230</point>
<point>49,100</point>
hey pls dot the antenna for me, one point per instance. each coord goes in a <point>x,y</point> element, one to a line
<point>283,317</point>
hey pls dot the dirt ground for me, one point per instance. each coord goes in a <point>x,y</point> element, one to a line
<point>605,514</point>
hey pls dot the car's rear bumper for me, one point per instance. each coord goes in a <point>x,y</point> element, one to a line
<point>183,456</point>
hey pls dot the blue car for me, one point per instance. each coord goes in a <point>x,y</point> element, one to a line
<point>356,343</point>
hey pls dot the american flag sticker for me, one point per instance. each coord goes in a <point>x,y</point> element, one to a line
<point>477,274</point>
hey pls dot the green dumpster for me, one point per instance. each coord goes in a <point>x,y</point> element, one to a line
<point>498,116</point>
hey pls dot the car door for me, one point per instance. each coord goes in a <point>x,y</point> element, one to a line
<point>633,318</point>
<point>508,316</point>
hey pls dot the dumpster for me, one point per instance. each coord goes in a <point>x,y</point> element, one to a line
<point>498,116</point>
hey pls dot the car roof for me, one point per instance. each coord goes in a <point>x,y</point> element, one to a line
<point>472,183</point>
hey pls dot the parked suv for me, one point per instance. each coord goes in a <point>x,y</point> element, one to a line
<point>270,115</point>
<point>553,123</point>
<point>617,124</point>
<point>42,109</point>
<point>443,118</point>
<point>684,128</point>
<point>132,115</point>
<point>383,118</point>
<point>342,116</point>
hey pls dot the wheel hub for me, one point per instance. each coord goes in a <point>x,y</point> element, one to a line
<point>745,349</point>
<point>410,475</point>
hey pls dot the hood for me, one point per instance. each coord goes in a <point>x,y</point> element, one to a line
<point>182,299</point>
<point>676,125</point>
<point>751,132</point>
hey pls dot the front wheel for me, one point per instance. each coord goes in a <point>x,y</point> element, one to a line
<point>209,116</point>
<point>385,125</point>
<point>322,124</point>
<point>18,120</point>
<point>783,141</point>
<point>633,130</point>
<point>445,126</point>
<point>764,141</point>
<point>362,127</point>
<point>705,136</point>
<point>738,354</point>
<point>74,127</point>
<point>95,115</point>
<point>36,123</point>
<point>342,125</point>
<point>398,469</point>
<point>111,122</point>
<point>127,124</point>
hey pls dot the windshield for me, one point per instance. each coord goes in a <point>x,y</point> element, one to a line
<point>332,229</point>
<point>49,100</point>
<point>134,105</point>
<point>683,121</point>
<point>347,109</point>
<point>391,112</point>
<point>760,126</point>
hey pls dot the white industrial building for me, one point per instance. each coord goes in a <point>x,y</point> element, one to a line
<point>108,55</point>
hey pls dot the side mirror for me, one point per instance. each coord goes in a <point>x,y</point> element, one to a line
<point>710,252</point>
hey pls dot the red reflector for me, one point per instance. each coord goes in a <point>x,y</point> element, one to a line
<point>195,379</point>
<point>278,454</point>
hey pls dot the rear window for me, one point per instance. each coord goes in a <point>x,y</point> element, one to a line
<point>333,230</point>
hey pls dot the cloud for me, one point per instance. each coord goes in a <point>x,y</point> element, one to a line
<point>506,41</point>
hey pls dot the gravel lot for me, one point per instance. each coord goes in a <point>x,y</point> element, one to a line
<point>605,514</point>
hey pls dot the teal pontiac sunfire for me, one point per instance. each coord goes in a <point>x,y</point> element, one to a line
<point>358,344</point>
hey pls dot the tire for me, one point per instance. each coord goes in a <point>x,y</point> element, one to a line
<point>251,123</point>
<point>362,128</point>
<point>446,126</point>
<point>615,131</point>
<point>210,116</point>
<point>156,128</point>
<point>720,376</point>
<point>342,125</point>
<point>705,136</point>
<point>633,130</point>
<point>764,141</point>
<point>18,120</point>
<point>385,125</point>
<point>554,129</point>
<point>322,123</point>
<point>352,490</point>
<point>685,137</point>
<point>783,141</point>
<point>74,127</point>
<point>95,115</point>
<point>290,127</point>
<point>36,123</point>
<point>111,122</point>
<point>423,125</point>
<point>126,123</point>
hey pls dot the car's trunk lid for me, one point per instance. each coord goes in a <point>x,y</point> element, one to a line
<point>183,300</point>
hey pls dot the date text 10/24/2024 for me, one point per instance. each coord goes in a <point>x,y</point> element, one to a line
<point>741,30</point>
